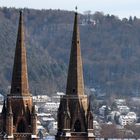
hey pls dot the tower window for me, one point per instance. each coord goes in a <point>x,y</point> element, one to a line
<point>73,90</point>
<point>77,126</point>
<point>21,127</point>
<point>17,89</point>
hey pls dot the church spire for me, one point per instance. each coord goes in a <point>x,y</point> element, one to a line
<point>9,108</point>
<point>75,82</point>
<point>19,84</point>
<point>72,114</point>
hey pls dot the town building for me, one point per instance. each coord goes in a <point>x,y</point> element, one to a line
<point>120,102</point>
<point>123,109</point>
<point>1,98</point>
<point>102,110</point>
<point>128,119</point>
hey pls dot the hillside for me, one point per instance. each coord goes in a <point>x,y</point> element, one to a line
<point>110,50</point>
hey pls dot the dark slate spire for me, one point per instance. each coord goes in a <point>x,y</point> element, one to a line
<point>75,83</point>
<point>19,84</point>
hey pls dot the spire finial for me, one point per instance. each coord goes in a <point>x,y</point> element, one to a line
<point>20,12</point>
<point>76,9</point>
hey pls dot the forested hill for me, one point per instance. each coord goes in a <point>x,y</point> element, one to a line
<point>110,50</point>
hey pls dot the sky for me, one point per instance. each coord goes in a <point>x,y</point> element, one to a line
<point>120,8</point>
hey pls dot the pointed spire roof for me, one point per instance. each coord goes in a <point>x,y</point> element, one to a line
<point>19,85</point>
<point>75,82</point>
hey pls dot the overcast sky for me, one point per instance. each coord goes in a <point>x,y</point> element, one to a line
<point>121,8</point>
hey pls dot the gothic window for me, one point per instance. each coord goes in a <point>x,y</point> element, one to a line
<point>73,90</point>
<point>77,126</point>
<point>21,127</point>
<point>18,89</point>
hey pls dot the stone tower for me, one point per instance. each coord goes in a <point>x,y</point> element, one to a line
<point>75,120</point>
<point>18,115</point>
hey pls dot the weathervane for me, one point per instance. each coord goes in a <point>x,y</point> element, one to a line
<point>76,8</point>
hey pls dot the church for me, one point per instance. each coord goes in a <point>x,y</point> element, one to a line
<point>18,118</point>
<point>75,119</point>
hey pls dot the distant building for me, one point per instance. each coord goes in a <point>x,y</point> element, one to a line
<point>123,109</point>
<point>52,127</point>
<point>41,99</point>
<point>60,93</point>
<point>43,115</point>
<point>102,110</point>
<point>114,114</point>
<point>130,119</point>
<point>120,102</point>
<point>1,106</point>
<point>1,98</point>
<point>51,106</point>
<point>57,97</point>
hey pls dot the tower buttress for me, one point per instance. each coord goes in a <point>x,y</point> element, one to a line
<point>66,116</point>
<point>3,117</point>
<point>34,121</point>
<point>90,121</point>
<point>9,121</point>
